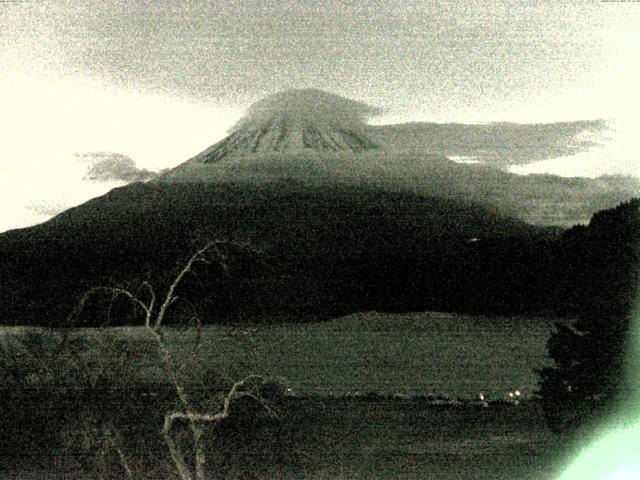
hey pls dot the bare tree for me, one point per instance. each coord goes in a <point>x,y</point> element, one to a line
<point>154,316</point>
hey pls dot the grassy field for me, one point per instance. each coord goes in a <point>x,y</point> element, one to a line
<point>414,353</point>
<point>425,353</point>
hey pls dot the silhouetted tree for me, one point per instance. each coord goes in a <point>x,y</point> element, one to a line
<point>600,288</point>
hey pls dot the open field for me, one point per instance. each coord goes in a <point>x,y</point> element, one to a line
<point>445,354</point>
<point>413,353</point>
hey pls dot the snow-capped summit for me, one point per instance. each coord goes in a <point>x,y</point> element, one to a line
<point>295,121</point>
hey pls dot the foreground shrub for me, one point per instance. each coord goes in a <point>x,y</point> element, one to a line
<point>85,399</point>
<point>105,404</point>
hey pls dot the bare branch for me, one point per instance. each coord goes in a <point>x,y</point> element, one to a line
<point>115,292</point>
<point>152,302</point>
<point>192,417</point>
<point>175,451</point>
<point>247,387</point>
<point>195,418</point>
<point>124,463</point>
<point>186,269</point>
<point>234,393</point>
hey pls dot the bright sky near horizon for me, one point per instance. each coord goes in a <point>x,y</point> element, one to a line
<point>158,81</point>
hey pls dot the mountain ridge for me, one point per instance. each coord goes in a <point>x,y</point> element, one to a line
<point>327,249</point>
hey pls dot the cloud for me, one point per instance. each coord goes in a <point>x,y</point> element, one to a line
<point>502,144</point>
<point>308,105</point>
<point>616,152</point>
<point>109,166</point>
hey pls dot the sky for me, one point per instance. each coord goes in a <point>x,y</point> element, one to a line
<point>94,94</point>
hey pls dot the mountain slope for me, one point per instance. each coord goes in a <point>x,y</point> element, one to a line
<point>295,121</point>
<point>325,250</point>
<point>536,199</point>
<point>317,138</point>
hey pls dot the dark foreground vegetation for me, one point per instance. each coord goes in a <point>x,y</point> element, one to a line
<point>313,438</point>
<point>591,353</point>
<point>93,411</point>
<point>77,404</point>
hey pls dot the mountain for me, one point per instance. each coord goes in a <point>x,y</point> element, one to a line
<point>324,250</point>
<point>313,120</point>
<point>316,138</point>
<point>295,121</point>
<point>343,222</point>
<point>298,126</point>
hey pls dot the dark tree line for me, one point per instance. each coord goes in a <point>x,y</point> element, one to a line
<point>590,354</point>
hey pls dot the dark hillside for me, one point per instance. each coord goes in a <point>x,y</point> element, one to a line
<point>325,250</point>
